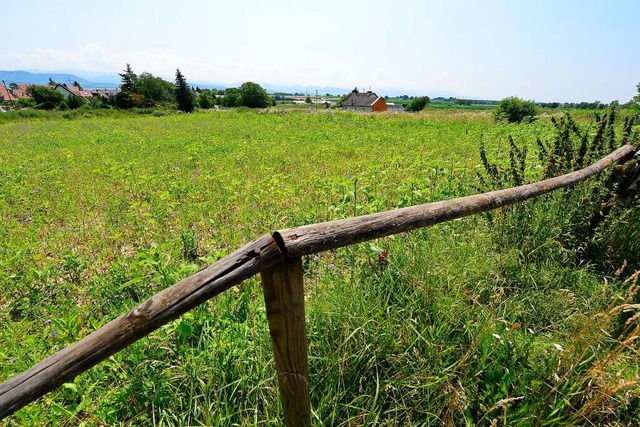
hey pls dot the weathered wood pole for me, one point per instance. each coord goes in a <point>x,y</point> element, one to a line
<point>284,300</point>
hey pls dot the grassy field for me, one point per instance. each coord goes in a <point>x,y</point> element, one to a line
<point>490,320</point>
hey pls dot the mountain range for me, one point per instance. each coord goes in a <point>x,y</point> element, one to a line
<point>42,78</point>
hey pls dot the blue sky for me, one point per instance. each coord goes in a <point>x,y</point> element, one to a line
<point>543,50</point>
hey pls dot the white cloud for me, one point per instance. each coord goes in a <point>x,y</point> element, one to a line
<point>303,68</point>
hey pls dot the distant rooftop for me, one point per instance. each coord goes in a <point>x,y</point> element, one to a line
<point>364,99</point>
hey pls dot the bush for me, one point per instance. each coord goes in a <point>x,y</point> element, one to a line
<point>418,104</point>
<point>594,223</point>
<point>25,103</point>
<point>124,100</point>
<point>204,101</point>
<point>45,98</point>
<point>75,102</point>
<point>231,98</point>
<point>515,110</point>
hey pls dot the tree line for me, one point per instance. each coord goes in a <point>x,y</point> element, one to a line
<point>148,91</point>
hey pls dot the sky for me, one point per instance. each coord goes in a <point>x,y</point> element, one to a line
<point>545,50</point>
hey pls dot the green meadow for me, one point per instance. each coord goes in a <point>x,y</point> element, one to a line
<point>495,319</point>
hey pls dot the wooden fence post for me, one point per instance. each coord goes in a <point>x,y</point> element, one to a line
<point>284,300</point>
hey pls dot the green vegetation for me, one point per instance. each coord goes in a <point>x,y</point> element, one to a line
<point>144,90</point>
<point>75,102</point>
<point>418,104</point>
<point>184,96</point>
<point>249,94</point>
<point>515,110</point>
<point>252,95</point>
<point>207,98</point>
<point>45,98</point>
<point>519,317</point>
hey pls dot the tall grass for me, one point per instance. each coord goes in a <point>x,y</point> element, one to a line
<point>481,321</point>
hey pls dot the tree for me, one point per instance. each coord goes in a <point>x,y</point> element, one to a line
<point>252,95</point>
<point>343,98</point>
<point>184,96</point>
<point>418,103</point>
<point>51,82</point>
<point>307,100</point>
<point>207,98</point>
<point>123,99</point>
<point>46,98</point>
<point>204,101</point>
<point>153,89</point>
<point>128,79</point>
<point>76,84</point>
<point>459,101</point>
<point>637,97</point>
<point>231,97</point>
<point>515,110</point>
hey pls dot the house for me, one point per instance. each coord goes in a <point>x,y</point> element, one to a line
<point>21,91</point>
<point>365,101</point>
<point>5,95</point>
<point>81,93</point>
<point>72,90</point>
<point>104,94</point>
<point>393,108</point>
<point>64,90</point>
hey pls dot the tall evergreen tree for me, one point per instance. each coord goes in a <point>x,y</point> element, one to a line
<point>128,79</point>
<point>184,96</point>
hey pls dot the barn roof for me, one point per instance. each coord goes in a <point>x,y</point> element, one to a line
<point>365,99</point>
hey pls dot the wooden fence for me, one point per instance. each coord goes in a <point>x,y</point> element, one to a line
<point>277,258</point>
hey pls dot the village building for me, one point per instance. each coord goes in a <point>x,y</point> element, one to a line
<point>5,95</point>
<point>72,90</point>
<point>365,101</point>
<point>104,93</point>
<point>21,91</point>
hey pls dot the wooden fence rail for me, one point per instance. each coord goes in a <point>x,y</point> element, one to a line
<point>276,257</point>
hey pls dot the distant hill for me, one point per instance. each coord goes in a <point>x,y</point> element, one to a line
<point>42,78</point>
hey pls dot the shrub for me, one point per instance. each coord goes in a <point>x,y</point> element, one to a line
<point>231,98</point>
<point>25,103</point>
<point>45,98</point>
<point>124,100</point>
<point>204,101</point>
<point>515,110</point>
<point>75,102</point>
<point>592,223</point>
<point>418,104</point>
